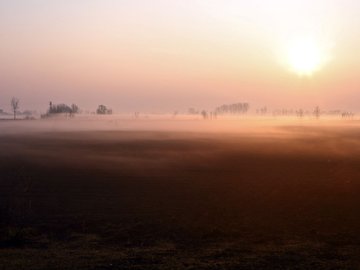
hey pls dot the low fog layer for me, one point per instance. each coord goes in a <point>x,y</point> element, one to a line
<point>249,184</point>
<point>256,135</point>
<point>192,124</point>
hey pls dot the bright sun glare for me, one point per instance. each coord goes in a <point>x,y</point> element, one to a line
<point>305,56</point>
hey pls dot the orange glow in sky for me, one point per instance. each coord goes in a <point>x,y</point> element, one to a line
<point>166,55</point>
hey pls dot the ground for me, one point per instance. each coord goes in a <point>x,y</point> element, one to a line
<point>285,197</point>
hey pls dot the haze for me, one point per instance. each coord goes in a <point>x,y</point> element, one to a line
<point>161,56</point>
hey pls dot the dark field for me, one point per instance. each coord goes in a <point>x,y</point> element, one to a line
<point>289,199</point>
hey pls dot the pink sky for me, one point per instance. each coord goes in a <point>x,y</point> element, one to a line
<point>159,56</point>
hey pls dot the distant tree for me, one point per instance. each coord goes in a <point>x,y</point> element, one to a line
<point>102,109</point>
<point>246,107</point>
<point>204,114</point>
<point>262,110</point>
<point>15,105</point>
<point>236,108</point>
<point>74,108</point>
<point>317,112</point>
<point>63,109</point>
<point>300,113</point>
<point>60,108</point>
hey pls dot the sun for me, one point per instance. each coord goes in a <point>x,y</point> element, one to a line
<point>305,56</point>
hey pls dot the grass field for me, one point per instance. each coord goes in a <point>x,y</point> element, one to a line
<point>279,198</point>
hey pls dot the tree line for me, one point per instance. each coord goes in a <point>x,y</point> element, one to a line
<point>235,108</point>
<point>55,109</point>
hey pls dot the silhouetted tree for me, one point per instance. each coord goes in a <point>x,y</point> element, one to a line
<point>262,110</point>
<point>63,108</point>
<point>236,108</point>
<point>60,108</point>
<point>204,114</point>
<point>102,109</point>
<point>15,105</point>
<point>317,112</point>
<point>74,108</point>
<point>246,107</point>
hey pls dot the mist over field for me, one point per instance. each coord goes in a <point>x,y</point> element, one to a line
<point>161,193</point>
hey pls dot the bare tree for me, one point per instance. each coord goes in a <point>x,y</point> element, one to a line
<point>317,112</point>
<point>74,109</point>
<point>15,105</point>
<point>102,109</point>
<point>204,114</point>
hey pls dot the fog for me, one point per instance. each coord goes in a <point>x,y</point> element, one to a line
<point>307,134</point>
<point>245,124</point>
<point>234,183</point>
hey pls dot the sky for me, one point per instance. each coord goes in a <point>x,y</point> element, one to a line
<point>167,55</point>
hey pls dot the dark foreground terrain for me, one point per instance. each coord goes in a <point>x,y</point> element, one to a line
<point>167,200</point>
